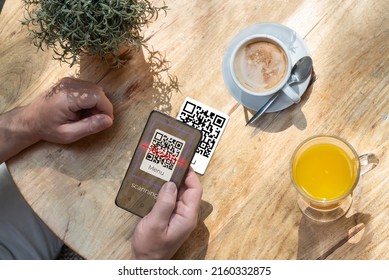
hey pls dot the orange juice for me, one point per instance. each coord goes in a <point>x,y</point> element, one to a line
<point>324,171</point>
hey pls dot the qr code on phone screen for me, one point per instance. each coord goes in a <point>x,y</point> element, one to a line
<point>209,122</point>
<point>164,149</point>
<point>162,155</point>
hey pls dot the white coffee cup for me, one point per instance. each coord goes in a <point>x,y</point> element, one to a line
<point>261,65</point>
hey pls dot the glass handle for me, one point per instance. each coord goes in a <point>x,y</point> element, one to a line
<point>368,162</point>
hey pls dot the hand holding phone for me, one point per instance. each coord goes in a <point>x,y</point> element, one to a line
<point>175,215</point>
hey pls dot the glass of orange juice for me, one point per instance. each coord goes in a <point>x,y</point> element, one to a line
<point>325,172</point>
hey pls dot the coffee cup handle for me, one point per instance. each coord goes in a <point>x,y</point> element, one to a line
<point>289,91</point>
<point>368,162</point>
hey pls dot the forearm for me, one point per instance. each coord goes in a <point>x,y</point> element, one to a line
<point>16,133</point>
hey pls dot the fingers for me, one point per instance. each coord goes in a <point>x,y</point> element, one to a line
<point>85,95</point>
<point>84,99</point>
<point>96,100</point>
<point>191,180</point>
<point>193,185</point>
<point>104,105</point>
<point>74,131</point>
<point>163,208</point>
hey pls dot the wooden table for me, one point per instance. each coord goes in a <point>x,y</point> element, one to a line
<point>249,208</point>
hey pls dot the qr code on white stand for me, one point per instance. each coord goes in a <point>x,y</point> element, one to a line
<point>210,122</point>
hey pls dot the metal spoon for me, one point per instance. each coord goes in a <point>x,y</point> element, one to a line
<point>300,72</point>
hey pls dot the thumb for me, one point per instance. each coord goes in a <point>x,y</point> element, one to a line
<point>163,208</point>
<point>86,126</point>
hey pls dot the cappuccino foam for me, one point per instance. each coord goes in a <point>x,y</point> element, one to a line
<point>260,66</point>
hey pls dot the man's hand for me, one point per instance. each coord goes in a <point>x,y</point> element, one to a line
<point>160,234</point>
<point>69,111</point>
<point>72,109</point>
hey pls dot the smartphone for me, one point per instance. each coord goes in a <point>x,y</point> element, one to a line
<point>164,153</point>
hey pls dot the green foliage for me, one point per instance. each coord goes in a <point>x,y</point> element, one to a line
<point>93,27</point>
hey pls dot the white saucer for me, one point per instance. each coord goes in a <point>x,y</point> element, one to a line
<point>297,48</point>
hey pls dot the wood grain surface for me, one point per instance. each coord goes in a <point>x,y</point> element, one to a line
<point>249,208</point>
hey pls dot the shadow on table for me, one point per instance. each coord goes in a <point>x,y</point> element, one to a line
<point>279,121</point>
<point>319,240</point>
<point>197,244</point>
<point>148,76</point>
<point>1,4</point>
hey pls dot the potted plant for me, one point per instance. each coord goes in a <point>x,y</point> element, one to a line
<point>93,27</point>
